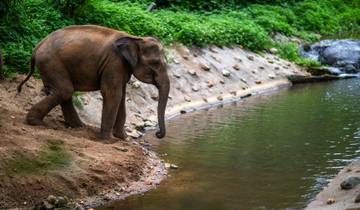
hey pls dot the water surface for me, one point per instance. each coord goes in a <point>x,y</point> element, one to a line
<point>274,151</point>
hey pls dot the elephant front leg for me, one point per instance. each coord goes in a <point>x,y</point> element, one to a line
<point>111,103</point>
<point>70,115</point>
<point>119,130</point>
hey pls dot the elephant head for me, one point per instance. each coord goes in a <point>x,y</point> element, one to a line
<point>145,58</point>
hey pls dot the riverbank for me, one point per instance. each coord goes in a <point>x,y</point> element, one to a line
<point>332,197</point>
<point>54,160</point>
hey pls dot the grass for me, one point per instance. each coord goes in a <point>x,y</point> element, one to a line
<point>53,156</point>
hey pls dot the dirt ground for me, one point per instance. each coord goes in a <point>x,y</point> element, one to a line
<point>79,167</point>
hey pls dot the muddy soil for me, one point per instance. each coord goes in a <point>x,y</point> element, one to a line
<point>93,171</point>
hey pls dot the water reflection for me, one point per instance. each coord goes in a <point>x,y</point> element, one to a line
<point>268,152</point>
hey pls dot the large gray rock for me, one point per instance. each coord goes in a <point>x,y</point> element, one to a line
<point>342,54</point>
<point>350,183</point>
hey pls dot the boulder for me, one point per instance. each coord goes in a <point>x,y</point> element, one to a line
<point>350,183</point>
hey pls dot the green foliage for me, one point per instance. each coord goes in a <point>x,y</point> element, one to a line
<point>52,157</point>
<point>76,97</point>
<point>219,22</point>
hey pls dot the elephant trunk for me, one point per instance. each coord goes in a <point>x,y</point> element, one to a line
<point>164,88</point>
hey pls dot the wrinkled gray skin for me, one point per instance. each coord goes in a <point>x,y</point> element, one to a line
<point>89,58</point>
<point>342,54</point>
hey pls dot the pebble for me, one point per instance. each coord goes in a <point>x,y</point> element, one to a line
<point>258,82</point>
<point>187,98</point>
<point>271,61</point>
<point>195,88</point>
<point>222,81</point>
<point>350,183</point>
<point>233,93</point>
<point>277,68</point>
<point>210,83</point>
<point>250,57</point>
<point>238,58</point>
<point>155,97</point>
<point>177,75</point>
<point>357,198</point>
<point>149,123</point>
<point>173,166</point>
<point>236,67</point>
<point>273,50</point>
<point>192,72</point>
<point>330,201</point>
<point>226,73</point>
<point>220,98</point>
<point>261,67</point>
<point>271,76</point>
<point>122,149</point>
<point>205,99</point>
<point>182,111</point>
<point>136,84</point>
<point>205,67</point>
<point>243,80</point>
<point>186,57</point>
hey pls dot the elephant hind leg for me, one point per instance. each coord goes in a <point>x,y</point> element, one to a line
<point>39,110</point>
<point>70,115</point>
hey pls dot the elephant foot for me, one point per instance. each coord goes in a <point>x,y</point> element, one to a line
<point>34,121</point>
<point>74,124</point>
<point>120,134</point>
<point>104,136</point>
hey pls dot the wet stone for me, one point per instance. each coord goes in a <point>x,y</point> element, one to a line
<point>350,183</point>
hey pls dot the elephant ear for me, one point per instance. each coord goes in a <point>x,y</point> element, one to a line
<point>127,48</point>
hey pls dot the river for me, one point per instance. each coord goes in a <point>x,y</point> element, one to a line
<point>272,151</point>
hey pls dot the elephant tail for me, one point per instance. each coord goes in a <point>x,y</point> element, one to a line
<point>32,69</point>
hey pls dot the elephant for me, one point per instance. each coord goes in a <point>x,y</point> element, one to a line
<point>90,58</point>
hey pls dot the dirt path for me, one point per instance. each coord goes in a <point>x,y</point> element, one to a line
<point>53,160</point>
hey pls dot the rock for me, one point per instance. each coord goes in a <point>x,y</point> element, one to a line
<point>341,54</point>
<point>122,149</point>
<point>330,201</point>
<point>354,208</point>
<point>78,207</point>
<point>187,98</point>
<point>276,68</point>
<point>61,202</point>
<point>216,58</point>
<point>210,83</point>
<point>205,99</point>
<point>238,58</point>
<point>261,67</point>
<point>273,50</point>
<point>149,123</point>
<point>350,183</point>
<point>236,67</point>
<point>254,71</point>
<point>192,72</point>
<point>271,76</point>
<point>177,75</point>
<point>182,111</point>
<point>154,97</point>
<point>195,88</point>
<point>243,80</point>
<point>167,165</point>
<point>220,98</point>
<point>270,61</point>
<point>222,81</point>
<point>186,57</point>
<point>357,198</point>
<point>250,57</point>
<point>258,82</point>
<point>205,67</point>
<point>134,133</point>
<point>136,84</point>
<point>212,49</point>
<point>173,166</point>
<point>233,93</point>
<point>226,73</point>
<point>46,205</point>
<point>51,199</point>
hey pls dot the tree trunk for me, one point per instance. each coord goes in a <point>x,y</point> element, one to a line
<point>1,67</point>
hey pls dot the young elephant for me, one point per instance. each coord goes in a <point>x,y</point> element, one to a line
<point>89,58</point>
